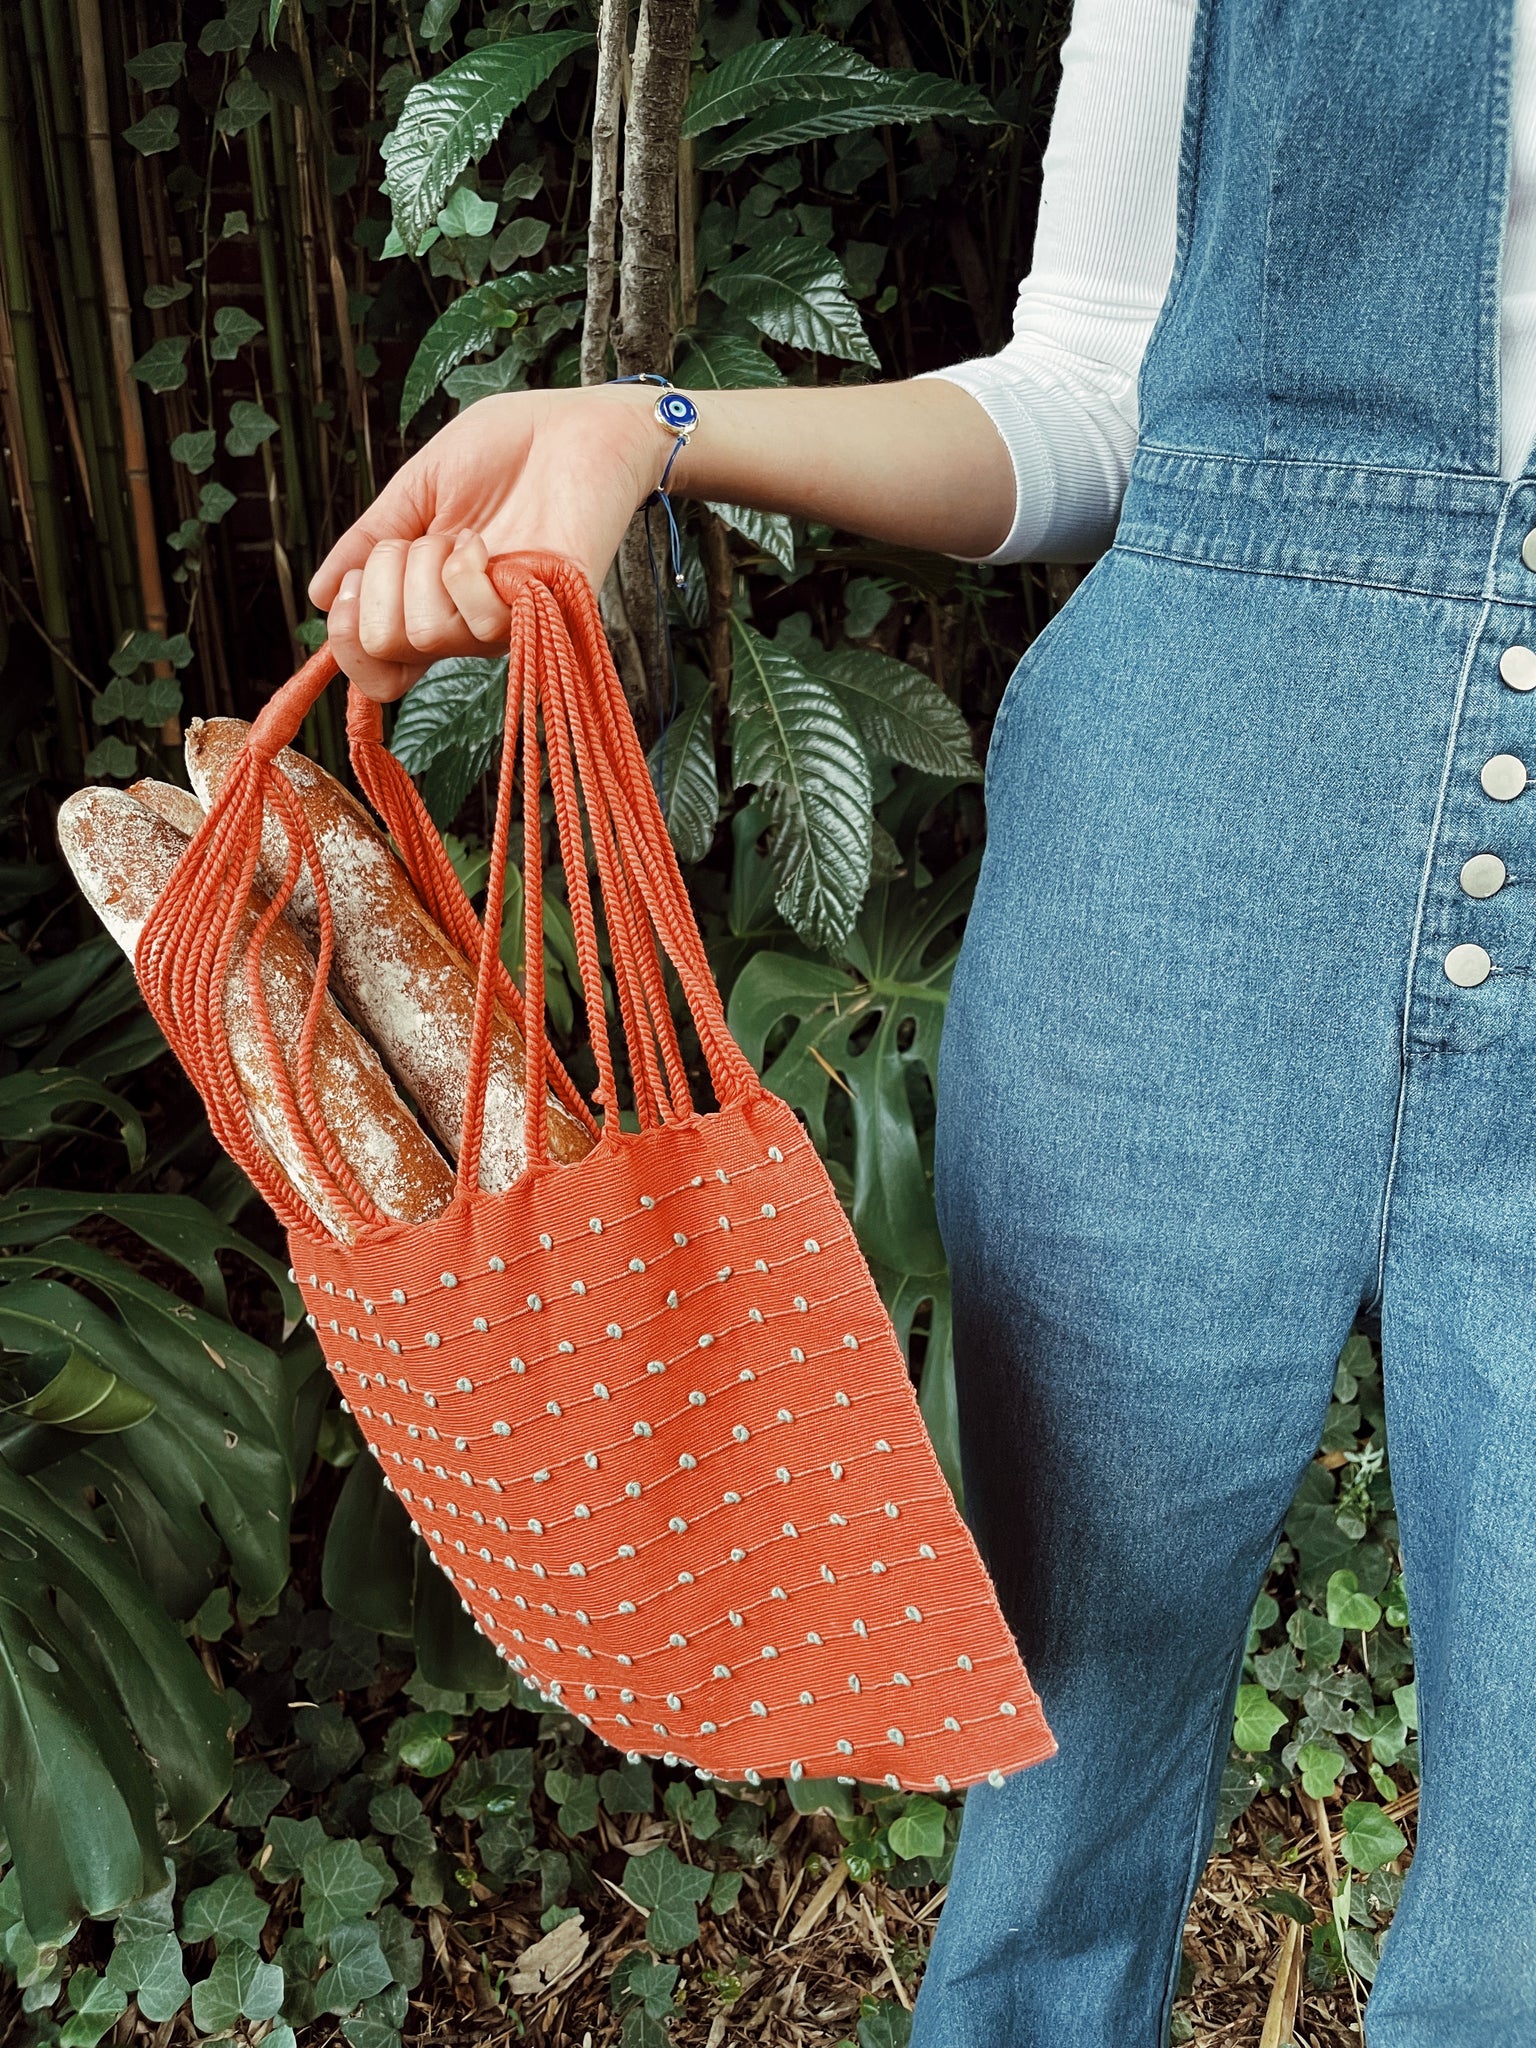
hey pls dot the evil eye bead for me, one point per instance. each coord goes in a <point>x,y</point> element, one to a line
<point>677,413</point>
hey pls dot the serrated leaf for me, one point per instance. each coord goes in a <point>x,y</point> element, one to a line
<point>163,365</point>
<point>233,327</point>
<point>474,321</point>
<point>668,1891</point>
<point>158,67</point>
<point>794,741</point>
<point>156,133</point>
<point>727,362</point>
<point>249,425</point>
<point>772,532</point>
<point>451,119</point>
<point>340,1886</point>
<point>794,290</point>
<point>449,729</point>
<point>195,451</point>
<point>761,74</point>
<point>900,712</point>
<point>894,97</point>
<point>682,766</point>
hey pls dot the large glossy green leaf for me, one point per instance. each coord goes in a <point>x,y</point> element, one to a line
<point>369,1564</point>
<point>900,712</point>
<point>683,769</point>
<point>217,1450</point>
<point>67,1390</point>
<point>894,96</point>
<point>476,320</point>
<point>450,1650</point>
<point>900,959</point>
<point>794,741</point>
<point>449,728</point>
<point>37,995</point>
<point>794,290</point>
<point>104,1711</point>
<point>726,362</point>
<point>762,74</point>
<point>34,1104</point>
<point>173,1224</point>
<point>452,118</point>
<point>770,531</point>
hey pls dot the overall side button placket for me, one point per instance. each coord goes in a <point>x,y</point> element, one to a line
<point>1503,777</point>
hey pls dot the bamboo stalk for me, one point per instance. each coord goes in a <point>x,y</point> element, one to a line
<point>297,515</point>
<point>93,376</point>
<point>109,237</point>
<point>51,557</point>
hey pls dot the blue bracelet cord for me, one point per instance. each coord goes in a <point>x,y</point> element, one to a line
<point>679,415</point>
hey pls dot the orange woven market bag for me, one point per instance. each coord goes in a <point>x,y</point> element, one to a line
<point>647,1409</point>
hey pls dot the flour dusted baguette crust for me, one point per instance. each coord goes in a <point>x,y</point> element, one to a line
<point>405,982</point>
<point>122,852</point>
<point>178,807</point>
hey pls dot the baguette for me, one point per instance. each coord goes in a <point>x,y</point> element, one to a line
<point>122,853</point>
<point>400,976</point>
<point>178,807</point>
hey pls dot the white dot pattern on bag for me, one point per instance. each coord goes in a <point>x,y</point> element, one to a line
<point>648,1316</point>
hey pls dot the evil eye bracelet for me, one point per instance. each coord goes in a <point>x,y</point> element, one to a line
<point>676,412</point>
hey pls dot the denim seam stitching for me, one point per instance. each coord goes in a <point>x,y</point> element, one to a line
<point>1126,547</point>
<point>1234,460</point>
<point>1414,944</point>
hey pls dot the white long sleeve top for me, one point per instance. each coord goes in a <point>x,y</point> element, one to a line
<point>1062,392</point>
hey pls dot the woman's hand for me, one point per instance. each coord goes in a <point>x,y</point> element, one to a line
<point>563,470</point>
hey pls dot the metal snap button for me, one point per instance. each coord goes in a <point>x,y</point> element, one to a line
<point>1467,966</point>
<point>1504,777</point>
<point>1528,549</point>
<point>1517,668</point>
<point>1483,875</point>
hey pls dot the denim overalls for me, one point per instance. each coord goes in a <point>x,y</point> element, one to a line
<point>1240,1044</point>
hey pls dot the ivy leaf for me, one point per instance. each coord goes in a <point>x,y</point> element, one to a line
<point>1348,1607</point>
<point>244,105</point>
<point>794,740</point>
<point>148,1968</point>
<point>112,758</point>
<point>213,502</point>
<point>287,1843</point>
<point>476,320</point>
<point>467,214</point>
<point>771,532</point>
<point>888,2026</point>
<point>1368,1838</point>
<point>628,1789</point>
<point>156,133</point>
<point>575,1794</point>
<point>158,67</point>
<point>226,1910</point>
<point>256,1789</point>
<point>900,96</point>
<point>919,1829</point>
<point>683,768</point>
<point>449,729</point>
<point>1319,1766</point>
<point>727,362</point>
<point>452,118</point>
<point>95,2002</point>
<point>377,2022</point>
<point>340,1886</point>
<point>1257,1720</point>
<point>795,292</point>
<point>725,1890</point>
<point>163,365</point>
<point>249,426</point>
<point>668,1891</point>
<point>239,1985</point>
<point>900,712</point>
<point>195,451</point>
<point>358,1968</point>
<point>763,74</point>
<point>158,295</point>
<point>233,327</point>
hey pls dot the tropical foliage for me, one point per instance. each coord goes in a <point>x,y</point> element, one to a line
<point>256,1773</point>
